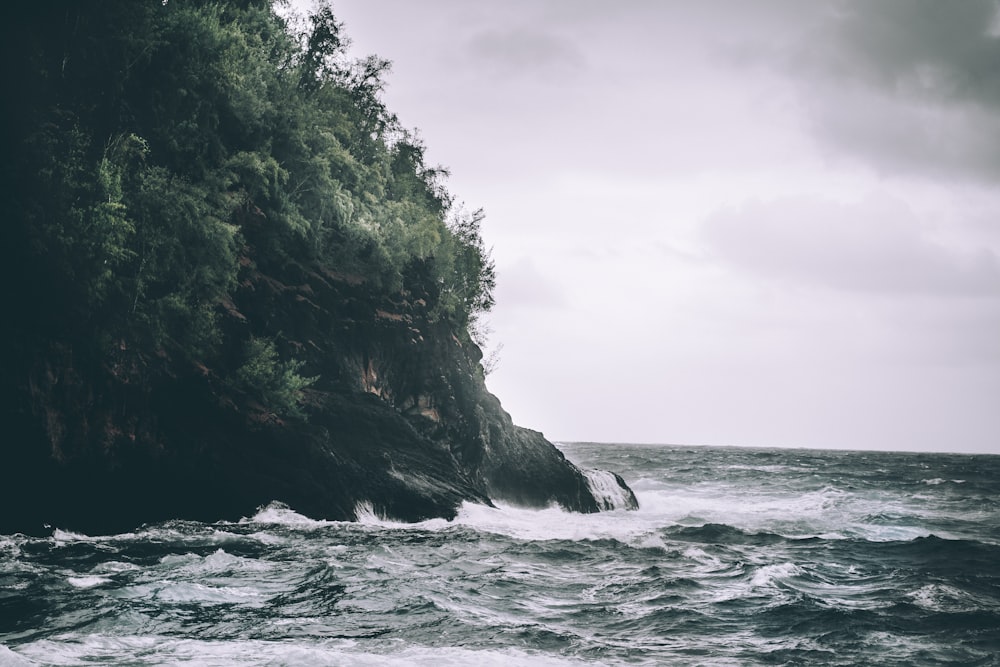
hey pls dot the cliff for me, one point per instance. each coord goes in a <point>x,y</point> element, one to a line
<point>399,419</point>
<point>229,277</point>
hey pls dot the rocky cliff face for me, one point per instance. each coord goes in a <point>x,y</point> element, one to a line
<point>399,420</point>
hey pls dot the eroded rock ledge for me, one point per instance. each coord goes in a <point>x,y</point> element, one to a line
<point>400,419</point>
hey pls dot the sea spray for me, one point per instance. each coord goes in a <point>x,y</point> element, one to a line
<point>609,490</point>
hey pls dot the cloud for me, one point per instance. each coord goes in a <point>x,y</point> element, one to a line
<point>522,285</point>
<point>518,52</point>
<point>919,49</point>
<point>875,245</point>
<point>941,141</point>
<point>909,86</point>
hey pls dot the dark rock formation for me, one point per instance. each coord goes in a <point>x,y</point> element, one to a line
<point>400,418</point>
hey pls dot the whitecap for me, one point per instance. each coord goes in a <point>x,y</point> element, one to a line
<point>606,490</point>
<point>769,575</point>
<point>701,557</point>
<point>104,649</point>
<point>364,512</point>
<point>281,514</point>
<point>10,659</point>
<point>188,592</point>
<point>87,581</point>
<point>889,533</point>
<point>270,539</point>
<point>943,598</point>
<point>61,537</point>
<point>554,523</point>
<point>218,562</point>
<point>114,566</point>
<point>792,515</point>
<point>366,515</point>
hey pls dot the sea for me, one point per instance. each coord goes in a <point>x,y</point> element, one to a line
<point>736,556</point>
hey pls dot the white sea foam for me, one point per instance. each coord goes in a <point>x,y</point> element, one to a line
<point>606,490</point>
<point>709,503</point>
<point>821,512</point>
<point>194,592</point>
<point>281,514</point>
<point>219,562</point>
<point>943,598</point>
<point>234,600</point>
<point>554,523</point>
<point>888,533</point>
<point>903,649</point>
<point>11,544</point>
<point>364,512</point>
<point>367,516</point>
<point>73,649</point>
<point>61,537</point>
<point>114,566</point>
<point>769,575</point>
<point>731,583</point>
<point>828,512</point>
<point>87,581</point>
<point>179,532</point>
<point>10,659</point>
<point>703,558</point>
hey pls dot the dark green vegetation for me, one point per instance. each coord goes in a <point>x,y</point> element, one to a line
<point>227,266</point>
<point>159,148</point>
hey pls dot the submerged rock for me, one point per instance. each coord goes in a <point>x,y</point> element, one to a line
<point>399,422</point>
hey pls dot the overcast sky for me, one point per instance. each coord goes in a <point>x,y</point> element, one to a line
<point>723,222</point>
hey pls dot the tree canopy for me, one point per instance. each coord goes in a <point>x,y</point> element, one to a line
<point>154,147</point>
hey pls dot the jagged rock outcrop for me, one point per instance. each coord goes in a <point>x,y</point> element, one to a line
<point>400,419</point>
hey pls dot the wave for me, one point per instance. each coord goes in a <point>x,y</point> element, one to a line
<point>87,581</point>
<point>10,659</point>
<point>948,554</point>
<point>657,524</point>
<point>60,537</point>
<point>607,490</point>
<point>366,515</point>
<point>664,519</point>
<point>278,513</point>
<point>944,598</point>
<point>770,575</point>
<point>106,649</point>
<point>552,523</point>
<point>770,566</point>
<point>716,533</point>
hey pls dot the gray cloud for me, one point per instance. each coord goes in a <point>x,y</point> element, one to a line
<point>522,285</point>
<point>918,49</point>
<point>909,86</point>
<point>525,52</point>
<point>872,246</point>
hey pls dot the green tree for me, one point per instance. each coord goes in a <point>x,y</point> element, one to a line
<point>154,146</point>
<point>276,383</point>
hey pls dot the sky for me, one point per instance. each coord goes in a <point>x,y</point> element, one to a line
<point>768,223</point>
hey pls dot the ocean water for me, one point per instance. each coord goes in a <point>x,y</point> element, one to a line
<point>736,557</point>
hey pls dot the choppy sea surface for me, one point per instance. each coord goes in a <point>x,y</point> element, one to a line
<point>736,557</point>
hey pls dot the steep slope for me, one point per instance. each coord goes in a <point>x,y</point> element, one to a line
<point>229,277</point>
<point>399,420</point>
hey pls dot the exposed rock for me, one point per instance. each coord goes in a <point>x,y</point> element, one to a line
<point>399,421</point>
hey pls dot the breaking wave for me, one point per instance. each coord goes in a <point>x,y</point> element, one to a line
<point>749,557</point>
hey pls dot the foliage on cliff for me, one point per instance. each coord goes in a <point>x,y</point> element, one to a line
<point>156,150</point>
